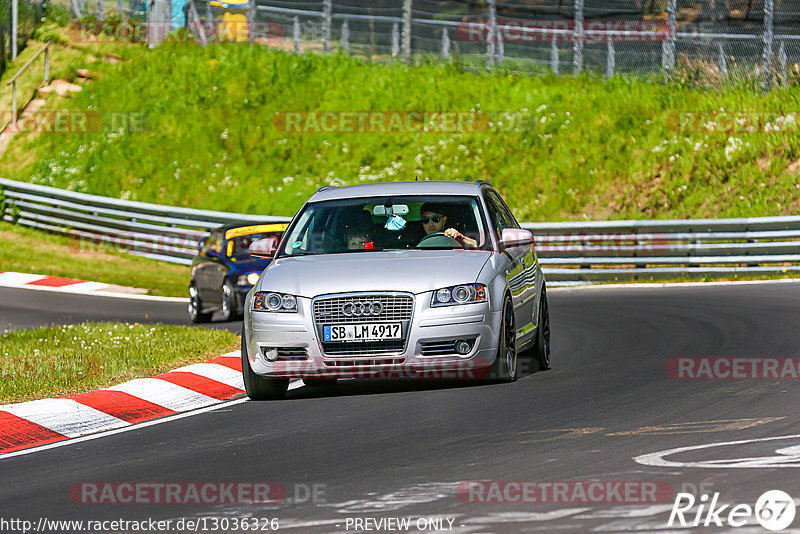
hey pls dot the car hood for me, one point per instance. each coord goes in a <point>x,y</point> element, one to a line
<point>246,265</point>
<point>415,271</point>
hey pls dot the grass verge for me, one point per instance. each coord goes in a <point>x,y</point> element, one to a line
<point>61,360</point>
<point>581,148</point>
<point>30,251</point>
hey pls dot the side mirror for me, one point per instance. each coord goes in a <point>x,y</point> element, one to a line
<point>516,238</point>
<point>263,248</point>
<point>201,244</point>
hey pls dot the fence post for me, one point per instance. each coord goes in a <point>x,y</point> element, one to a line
<point>723,61</point>
<point>346,36</point>
<point>296,34</point>
<point>668,47</point>
<point>782,59</point>
<point>209,15</point>
<point>76,8</point>
<point>768,14</point>
<point>491,37</point>
<point>14,23</point>
<point>326,25</point>
<point>578,35</point>
<point>610,57</point>
<point>554,54</point>
<point>501,52</point>
<point>406,35</point>
<point>14,103</point>
<point>395,40</point>
<point>251,21</point>
<point>100,9</point>
<point>121,9</point>
<point>47,65</point>
<point>445,44</point>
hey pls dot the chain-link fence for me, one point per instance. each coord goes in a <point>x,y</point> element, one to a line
<point>754,38</point>
<point>23,14</point>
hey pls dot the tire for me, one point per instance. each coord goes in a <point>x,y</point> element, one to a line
<point>195,307</point>
<point>506,364</point>
<point>541,349</point>
<point>319,382</point>
<point>229,304</point>
<point>258,387</point>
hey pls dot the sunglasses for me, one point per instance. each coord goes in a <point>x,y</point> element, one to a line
<point>434,218</point>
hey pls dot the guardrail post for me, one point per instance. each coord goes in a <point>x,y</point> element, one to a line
<point>327,7</point>
<point>768,36</point>
<point>14,23</point>
<point>554,54</point>
<point>346,37</point>
<point>610,57</point>
<point>668,45</point>
<point>445,45</point>
<point>577,59</point>
<point>395,40</point>
<point>406,35</point>
<point>296,34</point>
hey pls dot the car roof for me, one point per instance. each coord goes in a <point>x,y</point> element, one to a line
<point>227,227</point>
<point>433,187</point>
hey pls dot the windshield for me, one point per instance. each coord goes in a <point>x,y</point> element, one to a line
<point>388,223</point>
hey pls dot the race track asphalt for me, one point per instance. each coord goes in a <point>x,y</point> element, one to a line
<point>379,450</point>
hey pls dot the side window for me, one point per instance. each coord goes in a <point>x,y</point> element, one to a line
<point>507,219</point>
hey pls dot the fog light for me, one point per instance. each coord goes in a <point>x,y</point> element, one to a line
<point>270,353</point>
<point>463,347</point>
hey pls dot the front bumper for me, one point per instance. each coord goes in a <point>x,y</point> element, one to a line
<point>300,351</point>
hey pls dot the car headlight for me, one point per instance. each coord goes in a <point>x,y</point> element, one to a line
<point>274,302</point>
<point>463,294</point>
<point>248,279</point>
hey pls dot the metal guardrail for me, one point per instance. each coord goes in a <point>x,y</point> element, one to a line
<point>164,233</point>
<point>570,252</point>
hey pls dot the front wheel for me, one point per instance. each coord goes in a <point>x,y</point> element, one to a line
<point>259,387</point>
<point>229,302</point>
<point>541,350</point>
<point>505,367</point>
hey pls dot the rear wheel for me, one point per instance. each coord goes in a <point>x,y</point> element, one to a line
<point>229,305</point>
<point>196,314</point>
<point>505,367</point>
<point>259,387</point>
<point>541,350</point>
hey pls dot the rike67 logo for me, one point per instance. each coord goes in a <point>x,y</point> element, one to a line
<point>774,510</point>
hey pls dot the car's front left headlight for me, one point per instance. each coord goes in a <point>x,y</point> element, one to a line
<point>462,294</point>
<point>248,279</point>
<point>274,302</point>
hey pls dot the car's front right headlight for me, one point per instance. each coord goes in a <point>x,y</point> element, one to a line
<point>274,302</point>
<point>462,294</point>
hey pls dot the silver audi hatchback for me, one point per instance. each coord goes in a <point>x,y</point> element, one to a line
<point>398,280</point>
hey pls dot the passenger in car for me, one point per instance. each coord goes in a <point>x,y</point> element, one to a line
<point>434,220</point>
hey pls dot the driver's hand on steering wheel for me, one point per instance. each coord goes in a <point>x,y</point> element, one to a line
<point>461,238</point>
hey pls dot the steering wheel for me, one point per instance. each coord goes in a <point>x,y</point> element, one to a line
<point>438,239</point>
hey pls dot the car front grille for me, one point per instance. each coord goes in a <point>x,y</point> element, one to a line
<point>393,308</point>
<point>377,362</point>
<point>438,348</point>
<point>288,353</point>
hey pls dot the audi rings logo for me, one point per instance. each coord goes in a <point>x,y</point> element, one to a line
<point>363,308</point>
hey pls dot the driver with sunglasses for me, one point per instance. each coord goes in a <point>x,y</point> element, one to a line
<point>434,220</point>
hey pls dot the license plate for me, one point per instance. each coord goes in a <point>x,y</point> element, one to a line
<point>362,332</point>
